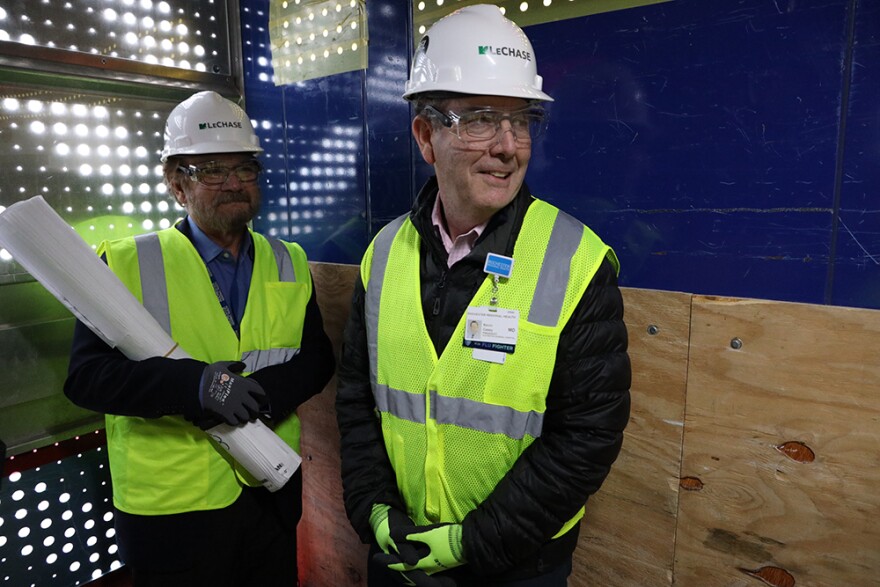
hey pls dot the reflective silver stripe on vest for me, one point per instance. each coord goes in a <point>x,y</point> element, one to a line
<point>461,412</point>
<point>155,294</point>
<point>489,418</point>
<point>555,270</point>
<point>286,271</point>
<point>152,270</point>
<point>405,405</point>
<point>258,359</point>
<point>381,250</point>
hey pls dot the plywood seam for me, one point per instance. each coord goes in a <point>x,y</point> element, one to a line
<point>681,444</point>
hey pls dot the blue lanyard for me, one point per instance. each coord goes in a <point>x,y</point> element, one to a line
<point>230,315</point>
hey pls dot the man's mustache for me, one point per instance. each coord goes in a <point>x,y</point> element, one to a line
<point>227,197</point>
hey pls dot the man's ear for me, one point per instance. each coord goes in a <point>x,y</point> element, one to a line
<point>177,192</point>
<point>423,130</point>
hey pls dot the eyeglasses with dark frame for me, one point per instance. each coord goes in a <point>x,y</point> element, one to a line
<point>476,127</point>
<point>213,173</point>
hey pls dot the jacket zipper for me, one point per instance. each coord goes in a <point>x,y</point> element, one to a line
<point>441,283</point>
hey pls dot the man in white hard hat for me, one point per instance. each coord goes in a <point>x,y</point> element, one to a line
<point>484,452</point>
<point>243,307</point>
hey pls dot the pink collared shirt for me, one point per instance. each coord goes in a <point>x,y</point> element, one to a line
<point>463,244</point>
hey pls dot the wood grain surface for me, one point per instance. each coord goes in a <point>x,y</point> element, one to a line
<point>628,533</point>
<point>330,553</point>
<point>769,385</point>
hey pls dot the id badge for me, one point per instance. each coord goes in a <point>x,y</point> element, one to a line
<point>491,332</point>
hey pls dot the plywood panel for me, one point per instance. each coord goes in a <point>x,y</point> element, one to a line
<point>628,534</point>
<point>800,374</point>
<point>330,553</point>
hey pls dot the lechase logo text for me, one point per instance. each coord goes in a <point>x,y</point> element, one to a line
<point>505,51</point>
<point>220,124</point>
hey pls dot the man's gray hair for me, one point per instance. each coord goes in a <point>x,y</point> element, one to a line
<point>436,99</point>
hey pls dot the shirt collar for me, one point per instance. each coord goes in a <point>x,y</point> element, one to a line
<point>437,220</point>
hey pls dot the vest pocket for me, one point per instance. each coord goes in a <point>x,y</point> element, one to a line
<point>523,380</point>
<point>286,310</point>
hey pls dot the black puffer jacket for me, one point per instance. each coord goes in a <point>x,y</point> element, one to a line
<point>509,534</point>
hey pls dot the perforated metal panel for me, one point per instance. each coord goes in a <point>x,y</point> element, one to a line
<point>522,12</point>
<point>190,35</point>
<point>85,88</point>
<point>316,38</point>
<point>56,523</point>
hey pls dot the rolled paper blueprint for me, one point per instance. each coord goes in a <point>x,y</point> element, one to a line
<point>44,244</point>
<point>260,451</point>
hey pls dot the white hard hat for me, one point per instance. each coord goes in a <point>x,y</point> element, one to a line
<point>207,122</point>
<point>475,50</point>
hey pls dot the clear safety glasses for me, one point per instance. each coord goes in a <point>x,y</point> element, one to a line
<point>479,128</point>
<point>213,174</point>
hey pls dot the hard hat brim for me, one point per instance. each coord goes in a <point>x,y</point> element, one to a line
<point>487,88</point>
<point>213,147</point>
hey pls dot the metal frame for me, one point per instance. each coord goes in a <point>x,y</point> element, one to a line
<point>29,66</point>
<point>20,62</point>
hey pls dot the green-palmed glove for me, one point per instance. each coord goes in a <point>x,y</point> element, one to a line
<point>444,547</point>
<point>383,520</point>
<point>423,579</point>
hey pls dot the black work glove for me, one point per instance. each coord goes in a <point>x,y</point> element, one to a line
<point>384,519</point>
<point>228,395</point>
<point>416,577</point>
<point>439,548</point>
<point>418,563</point>
<point>423,579</point>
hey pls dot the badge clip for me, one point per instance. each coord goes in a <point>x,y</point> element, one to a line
<point>497,266</point>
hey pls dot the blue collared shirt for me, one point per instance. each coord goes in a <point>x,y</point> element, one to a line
<point>232,276</point>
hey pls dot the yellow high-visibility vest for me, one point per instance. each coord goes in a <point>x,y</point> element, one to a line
<point>167,465</point>
<point>454,426</point>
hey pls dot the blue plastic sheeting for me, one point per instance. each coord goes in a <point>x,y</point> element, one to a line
<point>722,148</point>
<point>699,138</point>
<point>338,145</point>
<point>856,270</point>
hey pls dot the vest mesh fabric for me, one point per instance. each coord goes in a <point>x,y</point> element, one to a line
<point>454,426</point>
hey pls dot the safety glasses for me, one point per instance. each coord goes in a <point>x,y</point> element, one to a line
<point>481,127</point>
<point>213,174</point>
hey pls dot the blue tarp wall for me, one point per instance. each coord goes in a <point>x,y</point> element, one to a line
<point>721,147</point>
